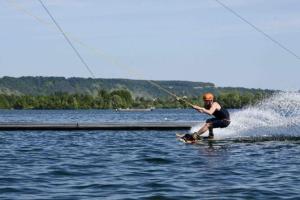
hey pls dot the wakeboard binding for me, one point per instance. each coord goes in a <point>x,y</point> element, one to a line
<point>188,138</point>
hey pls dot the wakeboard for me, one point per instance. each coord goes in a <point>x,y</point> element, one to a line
<point>180,137</point>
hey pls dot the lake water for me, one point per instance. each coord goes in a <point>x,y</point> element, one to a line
<point>256,157</point>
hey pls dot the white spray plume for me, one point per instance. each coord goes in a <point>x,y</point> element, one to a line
<point>277,115</point>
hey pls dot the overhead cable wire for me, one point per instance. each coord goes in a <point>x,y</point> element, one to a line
<point>258,29</point>
<point>95,50</point>
<point>78,54</point>
<point>67,39</point>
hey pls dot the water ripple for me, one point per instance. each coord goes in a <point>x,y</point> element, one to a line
<point>146,165</point>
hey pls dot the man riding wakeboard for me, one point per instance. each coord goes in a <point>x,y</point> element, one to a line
<point>221,118</point>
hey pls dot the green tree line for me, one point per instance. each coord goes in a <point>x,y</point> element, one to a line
<point>119,99</point>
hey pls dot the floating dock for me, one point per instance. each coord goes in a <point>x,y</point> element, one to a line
<point>98,126</point>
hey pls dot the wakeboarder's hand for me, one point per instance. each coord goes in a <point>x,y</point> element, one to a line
<point>198,108</point>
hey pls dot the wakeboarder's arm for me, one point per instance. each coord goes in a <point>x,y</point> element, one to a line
<point>210,111</point>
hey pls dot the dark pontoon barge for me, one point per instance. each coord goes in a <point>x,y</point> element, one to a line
<point>98,126</point>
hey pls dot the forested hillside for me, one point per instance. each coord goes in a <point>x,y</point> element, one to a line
<point>137,88</point>
<point>81,93</point>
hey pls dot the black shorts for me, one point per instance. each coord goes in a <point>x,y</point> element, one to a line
<point>218,123</point>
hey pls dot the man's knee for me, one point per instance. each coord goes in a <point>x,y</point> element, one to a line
<point>209,125</point>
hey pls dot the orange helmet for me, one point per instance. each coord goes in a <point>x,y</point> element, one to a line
<point>208,96</point>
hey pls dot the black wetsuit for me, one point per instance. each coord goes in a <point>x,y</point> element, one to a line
<point>221,118</point>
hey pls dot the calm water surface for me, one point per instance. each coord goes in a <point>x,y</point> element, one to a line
<point>140,164</point>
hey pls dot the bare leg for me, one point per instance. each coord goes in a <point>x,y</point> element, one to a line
<point>203,129</point>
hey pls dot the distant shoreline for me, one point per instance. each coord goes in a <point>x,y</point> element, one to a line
<point>120,99</point>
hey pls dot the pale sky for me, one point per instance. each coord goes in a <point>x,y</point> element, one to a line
<point>194,40</point>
